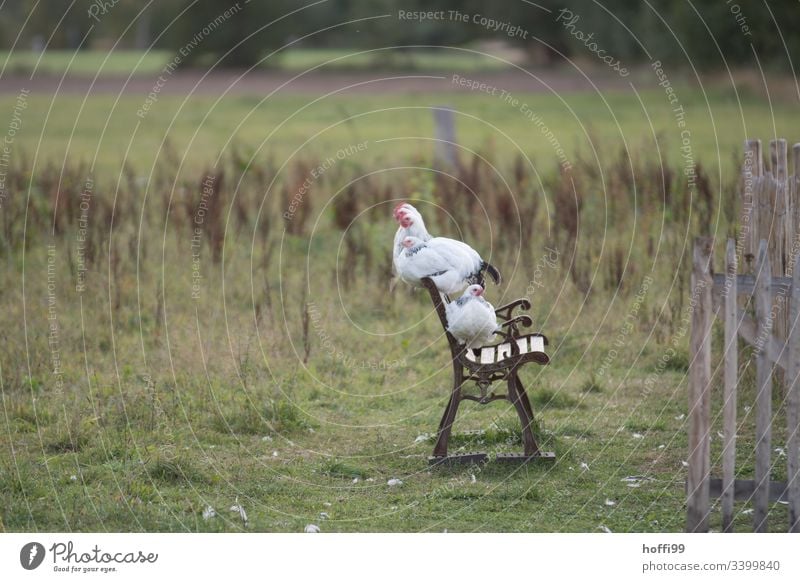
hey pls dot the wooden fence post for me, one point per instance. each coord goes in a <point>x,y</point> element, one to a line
<point>731,380</point>
<point>752,172</point>
<point>763,301</point>
<point>794,195</point>
<point>793,377</point>
<point>793,403</point>
<point>697,482</point>
<point>445,150</point>
<point>780,246</point>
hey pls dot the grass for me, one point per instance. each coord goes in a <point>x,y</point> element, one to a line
<point>107,133</point>
<point>127,62</point>
<point>84,63</point>
<point>423,60</point>
<point>129,477</point>
<point>165,403</point>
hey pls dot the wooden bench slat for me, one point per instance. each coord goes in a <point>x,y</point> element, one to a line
<point>487,355</point>
<point>503,351</point>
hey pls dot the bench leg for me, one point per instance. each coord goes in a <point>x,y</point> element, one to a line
<point>449,416</point>
<point>523,396</point>
<point>518,396</point>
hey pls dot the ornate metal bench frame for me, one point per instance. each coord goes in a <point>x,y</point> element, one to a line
<point>486,366</point>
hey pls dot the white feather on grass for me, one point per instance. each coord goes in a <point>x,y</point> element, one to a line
<point>240,510</point>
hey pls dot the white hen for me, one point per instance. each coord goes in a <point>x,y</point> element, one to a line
<point>420,259</point>
<point>471,319</point>
<point>463,257</point>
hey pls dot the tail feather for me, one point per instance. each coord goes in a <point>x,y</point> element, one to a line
<point>493,273</point>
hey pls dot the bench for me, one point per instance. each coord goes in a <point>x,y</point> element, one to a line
<point>486,366</point>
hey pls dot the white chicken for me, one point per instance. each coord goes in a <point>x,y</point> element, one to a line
<point>419,259</point>
<point>471,319</point>
<point>463,258</point>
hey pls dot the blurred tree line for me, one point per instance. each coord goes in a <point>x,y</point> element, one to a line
<point>674,31</point>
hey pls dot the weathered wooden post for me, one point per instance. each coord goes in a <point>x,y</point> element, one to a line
<point>752,172</point>
<point>763,301</point>
<point>445,150</point>
<point>780,244</point>
<point>793,376</point>
<point>697,482</point>
<point>731,366</point>
<point>769,244</point>
<point>794,200</point>
<point>793,402</point>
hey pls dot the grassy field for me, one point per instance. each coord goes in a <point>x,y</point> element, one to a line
<point>106,131</point>
<point>268,366</point>
<point>90,63</point>
<point>122,62</point>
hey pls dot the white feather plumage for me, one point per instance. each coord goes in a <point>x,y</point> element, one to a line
<point>462,258</point>
<point>421,259</point>
<point>471,319</point>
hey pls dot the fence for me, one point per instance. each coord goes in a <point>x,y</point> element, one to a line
<point>760,306</point>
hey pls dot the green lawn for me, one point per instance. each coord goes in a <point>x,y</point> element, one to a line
<point>146,442</point>
<point>126,62</point>
<point>85,63</point>
<point>158,421</point>
<point>165,404</point>
<point>414,60</point>
<point>108,130</point>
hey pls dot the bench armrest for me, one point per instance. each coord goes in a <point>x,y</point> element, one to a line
<point>510,328</point>
<point>505,312</point>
